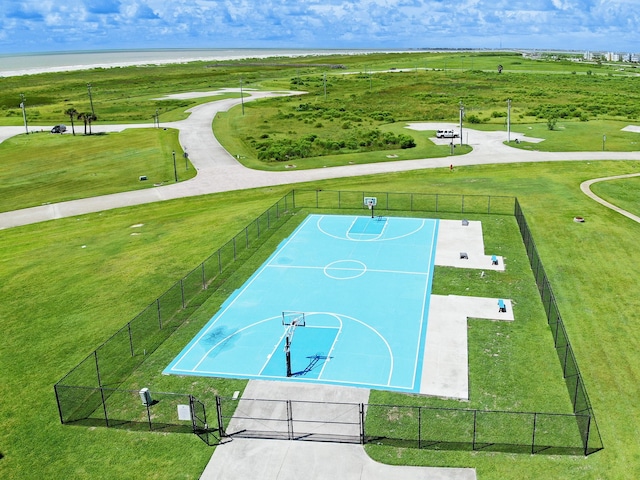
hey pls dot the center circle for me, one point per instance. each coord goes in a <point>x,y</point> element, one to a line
<point>345,269</point>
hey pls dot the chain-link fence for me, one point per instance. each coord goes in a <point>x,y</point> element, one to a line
<point>406,202</point>
<point>85,392</point>
<point>575,385</point>
<point>89,393</point>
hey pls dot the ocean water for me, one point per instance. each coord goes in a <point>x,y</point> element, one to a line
<point>33,63</point>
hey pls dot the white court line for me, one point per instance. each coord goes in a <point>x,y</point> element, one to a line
<point>335,340</point>
<point>221,313</point>
<point>399,272</point>
<point>425,300</point>
<point>422,224</point>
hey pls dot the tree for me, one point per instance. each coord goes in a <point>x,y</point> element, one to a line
<point>87,118</point>
<point>83,116</point>
<point>91,118</point>
<point>72,112</point>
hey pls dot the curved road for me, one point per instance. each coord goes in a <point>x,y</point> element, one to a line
<point>218,170</point>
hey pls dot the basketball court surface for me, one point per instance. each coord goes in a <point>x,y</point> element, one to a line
<point>351,295</point>
<point>346,301</point>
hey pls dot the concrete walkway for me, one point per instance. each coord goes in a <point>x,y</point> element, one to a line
<point>218,170</point>
<point>254,459</point>
<point>586,189</point>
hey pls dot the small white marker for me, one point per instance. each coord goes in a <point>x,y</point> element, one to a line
<point>235,394</point>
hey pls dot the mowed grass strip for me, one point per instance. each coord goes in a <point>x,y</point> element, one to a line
<point>44,168</point>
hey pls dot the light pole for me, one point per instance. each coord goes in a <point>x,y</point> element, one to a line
<point>24,112</point>
<point>241,96</point>
<point>604,139</point>
<point>508,120</point>
<point>90,99</point>
<point>175,170</point>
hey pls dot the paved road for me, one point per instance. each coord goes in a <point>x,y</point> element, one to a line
<point>219,171</point>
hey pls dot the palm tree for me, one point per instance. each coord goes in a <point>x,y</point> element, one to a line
<point>90,118</point>
<point>72,112</point>
<point>83,116</point>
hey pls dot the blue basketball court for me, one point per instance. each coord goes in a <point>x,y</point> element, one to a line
<point>363,285</point>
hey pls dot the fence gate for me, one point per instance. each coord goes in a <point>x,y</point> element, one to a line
<point>294,420</point>
<point>199,422</point>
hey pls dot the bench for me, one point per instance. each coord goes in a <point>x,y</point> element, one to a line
<point>501,306</point>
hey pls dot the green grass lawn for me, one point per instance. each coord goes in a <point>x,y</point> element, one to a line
<point>54,315</point>
<point>43,168</point>
<point>67,285</point>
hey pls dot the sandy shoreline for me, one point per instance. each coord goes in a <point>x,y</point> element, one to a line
<point>11,66</point>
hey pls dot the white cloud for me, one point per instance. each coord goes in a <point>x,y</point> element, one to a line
<point>587,24</point>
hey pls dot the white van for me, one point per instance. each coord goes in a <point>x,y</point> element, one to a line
<point>447,133</point>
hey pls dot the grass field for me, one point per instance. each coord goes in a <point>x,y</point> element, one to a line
<point>58,300</point>
<point>70,311</point>
<point>45,168</point>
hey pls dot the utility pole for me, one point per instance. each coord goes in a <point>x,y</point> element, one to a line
<point>90,99</point>
<point>24,112</point>
<point>324,81</point>
<point>508,120</point>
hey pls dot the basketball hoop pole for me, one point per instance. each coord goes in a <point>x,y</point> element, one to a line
<point>287,351</point>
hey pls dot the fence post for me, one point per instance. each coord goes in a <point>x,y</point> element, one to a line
<point>533,437</point>
<point>475,415</point>
<point>219,416</point>
<point>130,339</point>
<point>586,440</point>
<point>419,427</point>
<point>575,393</point>
<point>339,204</point>
<point>489,204</point>
<point>104,407</point>
<point>436,202</point>
<point>149,417</point>
<point>182,292</point>
<point>95,356</point>
<point>411,202</point>
<point>290,419</point>
<point>246,237</point>
<point>159,314</point>
<point>362,433</point>
<point>462,205</point>
<point>258,223</point>
<point>219,260</point>
<point>204,277</point>
<point>234,249</point>
<point>317,199</point>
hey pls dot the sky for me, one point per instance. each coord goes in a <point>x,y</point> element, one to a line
<point>73,25</point>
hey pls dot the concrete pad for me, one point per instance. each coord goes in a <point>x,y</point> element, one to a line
<point>454,237</point>
<point>445,367</point>
<point>631,128</point>
<point>244,459</point>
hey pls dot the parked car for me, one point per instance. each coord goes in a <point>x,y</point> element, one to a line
<point>59,129</point>
<point>447,133</point>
